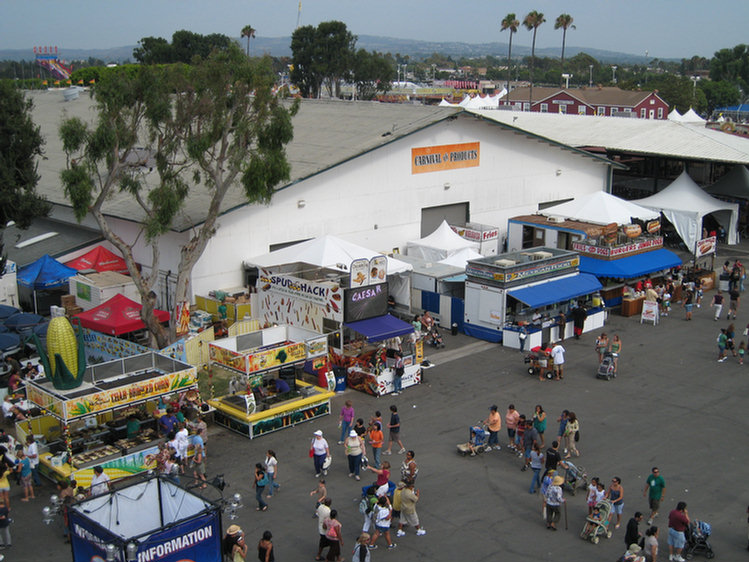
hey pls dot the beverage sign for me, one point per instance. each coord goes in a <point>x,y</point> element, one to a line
<point>445,157</point>
<point>365,302</point>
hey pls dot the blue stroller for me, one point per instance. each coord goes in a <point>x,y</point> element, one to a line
<point>478,437</point>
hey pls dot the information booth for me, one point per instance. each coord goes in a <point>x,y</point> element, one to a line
<point>529,293</point>
<point>254,405</point>
<point>86,426</point>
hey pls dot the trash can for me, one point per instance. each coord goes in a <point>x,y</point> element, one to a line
<point>454,329</point>
<point>724,281</point>
<point>340,378</point>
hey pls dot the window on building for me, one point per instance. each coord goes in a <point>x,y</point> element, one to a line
<point>642,113</point>
<point>652,101</point>
<point>600,111</point>
<point>582,110</point>
<point>544,108</point>
<point>517,105</point>
<point>627,110</point>
<point>563,108</point>
<point>660,113</point>
<point>526,106</point>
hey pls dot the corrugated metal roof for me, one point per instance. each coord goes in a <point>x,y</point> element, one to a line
<point>326,133</point>
<point>653,137</point>
<point>605,95</point>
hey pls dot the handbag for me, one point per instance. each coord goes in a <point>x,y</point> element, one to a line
<point>577,436</point>
<point>263,481</point>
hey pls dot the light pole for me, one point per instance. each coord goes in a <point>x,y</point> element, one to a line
<point>695,78</point>
<point>590,82</point>
<point>613,73</point>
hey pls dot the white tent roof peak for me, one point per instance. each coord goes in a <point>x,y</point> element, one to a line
<point>601,208</point>
<point>461,257</point>
<point>675,115</point>
<point>326,251</point>
<point>691,116</point>
<point>440,244</point>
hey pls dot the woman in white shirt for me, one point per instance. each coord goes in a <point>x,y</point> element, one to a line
<point>271,471</point>
<point>320,451</point>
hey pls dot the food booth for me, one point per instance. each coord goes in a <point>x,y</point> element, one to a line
<point>255,360</point>
<point>526,293</point>
<point>86,426</point>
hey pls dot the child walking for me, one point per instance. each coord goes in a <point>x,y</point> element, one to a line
<point>742,350</point>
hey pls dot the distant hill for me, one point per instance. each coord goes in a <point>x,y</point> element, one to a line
<point>281,46</point>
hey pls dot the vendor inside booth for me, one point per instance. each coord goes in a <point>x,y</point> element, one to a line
<point>93,424</point>
<point>524,299</point>
<point>269,387</point>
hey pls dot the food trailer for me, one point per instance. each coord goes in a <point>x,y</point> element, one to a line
<point>86,426</point>
<point>255,360</point>
<point>527,292</point>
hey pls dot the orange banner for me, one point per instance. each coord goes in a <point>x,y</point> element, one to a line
<point>445,157</point>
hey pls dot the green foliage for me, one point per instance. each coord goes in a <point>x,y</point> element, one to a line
<point>184,47</point>
<point>20,147</point>
<point>718,94</point>
<point>373,73</point>
<point>324,55</point>
<point>731,65</point>
<point>79,187</point>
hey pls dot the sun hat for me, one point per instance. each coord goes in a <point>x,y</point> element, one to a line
<point>233,530</point>
<point>352,433</point>
<point>557,481</point>
<point>634,548</point>
<point>318,432</point>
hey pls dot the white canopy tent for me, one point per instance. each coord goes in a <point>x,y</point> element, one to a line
<point>691,116</point>
<point>675,116</point>
<point>441,243</point>
<point>335,253</point>
<point>685,204</point>
<point>601,208</point>
<point>477,102</point>
<point>461,257</point>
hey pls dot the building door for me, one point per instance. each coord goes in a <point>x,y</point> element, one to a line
<point>432,217</point>
<point>563,240</point>
<point>651,114</point>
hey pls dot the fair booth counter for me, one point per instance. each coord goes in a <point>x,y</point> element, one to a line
<point>505,292</point>
<point>255,360</point>
<point>86,426</point>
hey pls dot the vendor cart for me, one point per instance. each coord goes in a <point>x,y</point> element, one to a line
<point>540,363</point>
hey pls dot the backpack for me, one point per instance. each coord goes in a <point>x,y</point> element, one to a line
<point>364,506</point>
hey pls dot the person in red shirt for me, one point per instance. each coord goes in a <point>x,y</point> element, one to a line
<point>511,421</point>
<point>678,521</point>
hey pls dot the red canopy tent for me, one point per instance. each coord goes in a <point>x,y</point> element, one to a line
<point>118,315</point>
<point>100,259</point>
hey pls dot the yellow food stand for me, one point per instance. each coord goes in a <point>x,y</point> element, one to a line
<point>255,360</point>
<point>84,427</point>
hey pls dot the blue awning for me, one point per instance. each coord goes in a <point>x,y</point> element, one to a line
<point>556,290</point>
<point>633,266</point>
<point>381,327</point>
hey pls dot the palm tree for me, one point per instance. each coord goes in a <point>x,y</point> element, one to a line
<point>511,23</point>
<point>564,22</point>
<point>248,31</point>
<point>532,22</point>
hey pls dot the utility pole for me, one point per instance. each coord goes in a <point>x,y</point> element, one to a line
<point>590,81</point>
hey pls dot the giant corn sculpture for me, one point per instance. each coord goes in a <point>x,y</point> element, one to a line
<point>65,360</point>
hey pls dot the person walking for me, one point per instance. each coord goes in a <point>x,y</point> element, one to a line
<point>346,420</point>
<point>579,314</point>
<point>320,451</point>
<point>494,423</point>
<point>722,343</point>
<point>395,431</point>
<point>31,450</point>
<point>552,457</point>
<point>615,347</point>
<point>539,423</point>
<point>602,344</point>
<point>733,303</point>
<point>265,552</point>
<point>323,513</point>
<point>361,552</point>
<point>717,304</point>
<point>557,355</point>
<point>632,534</point>
<point>570,435</point>
<point>678,522</point>
<point>650,550</point>
<point>655,485</point>
<point>511,421</point>
<point>261,481</point>
<point>376,439</point>
<point>334,536</point>
<point>615,495</point>
<point>530,438</point>
<point>409,497</point>
<point>562,420</point>
<point>688,304</point>
<point>382,515</point>
<point>537,460</point>
<point>271,471</point>
<point>554,499</point>
<point>5,540</point>
<point>398,370</point>
<point>354,447</point>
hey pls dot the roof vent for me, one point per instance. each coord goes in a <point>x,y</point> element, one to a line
<point>555,219</point>
<point>504,263</point>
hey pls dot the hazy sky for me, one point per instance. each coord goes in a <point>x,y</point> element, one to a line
<point>664,28</point>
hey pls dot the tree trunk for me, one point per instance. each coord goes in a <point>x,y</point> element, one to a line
<point>564,40</point>
<point>533,59</point>
<point>509,66</point>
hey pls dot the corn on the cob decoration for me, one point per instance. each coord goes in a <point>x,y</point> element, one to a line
<point>65,360</point>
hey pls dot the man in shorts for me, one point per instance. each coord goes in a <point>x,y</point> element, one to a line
<point>395,431</point>
<point>655,485</point>
<point>678,521</point>
<point>557,355</point>
<point>409,497</point>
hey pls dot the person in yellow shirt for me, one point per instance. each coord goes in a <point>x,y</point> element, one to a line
<point>494,423</point>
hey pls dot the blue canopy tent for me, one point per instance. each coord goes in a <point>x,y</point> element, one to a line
<point>44,273</point>
<point>23,323</point>
<point>7,311</point>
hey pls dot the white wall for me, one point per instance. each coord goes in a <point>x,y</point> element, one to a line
<point>376,202</point>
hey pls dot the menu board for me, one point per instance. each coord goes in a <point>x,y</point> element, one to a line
<point>365,302</point>
<point>378,266</point>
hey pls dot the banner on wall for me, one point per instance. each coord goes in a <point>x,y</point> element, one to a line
<point>445,157</point>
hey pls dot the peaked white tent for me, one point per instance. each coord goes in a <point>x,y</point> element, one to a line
<point>326,251</point>
<point>675,116</point>
<point>691,116</point>
<point>440,244</point>
<point>685,204</point>
<point>461,257</point>
<point>601,208</point>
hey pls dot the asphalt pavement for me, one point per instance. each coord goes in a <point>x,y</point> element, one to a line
<point>672,406</point>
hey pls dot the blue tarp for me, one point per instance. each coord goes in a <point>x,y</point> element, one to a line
<point>23,321</point>
<point>381,327</point>
<point>556,290</point>
<point>45,273</point>
<point>633,266</point>
<point>7,311</point>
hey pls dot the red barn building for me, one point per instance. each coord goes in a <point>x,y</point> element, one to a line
<point>609,101</point>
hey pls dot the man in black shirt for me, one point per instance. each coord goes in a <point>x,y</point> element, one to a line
<point>632,536</point>
<point>552,457</point>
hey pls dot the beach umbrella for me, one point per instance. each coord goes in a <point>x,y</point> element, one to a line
<point>9,343</point>
<point>6,311</point>
<point>23,322</point>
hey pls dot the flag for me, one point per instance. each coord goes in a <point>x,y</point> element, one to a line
<point>44,82</point>
<point>80,82</point>
<point>68,82</point>
<point>92,81</point>
<point>57,82</point>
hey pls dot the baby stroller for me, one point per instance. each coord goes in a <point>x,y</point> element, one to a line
<point>434,338</point>
<point>697,543</point>
<point>606,368</point>
<point>597,524</point>
<point>574,477</point>
<point>477,440</point>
